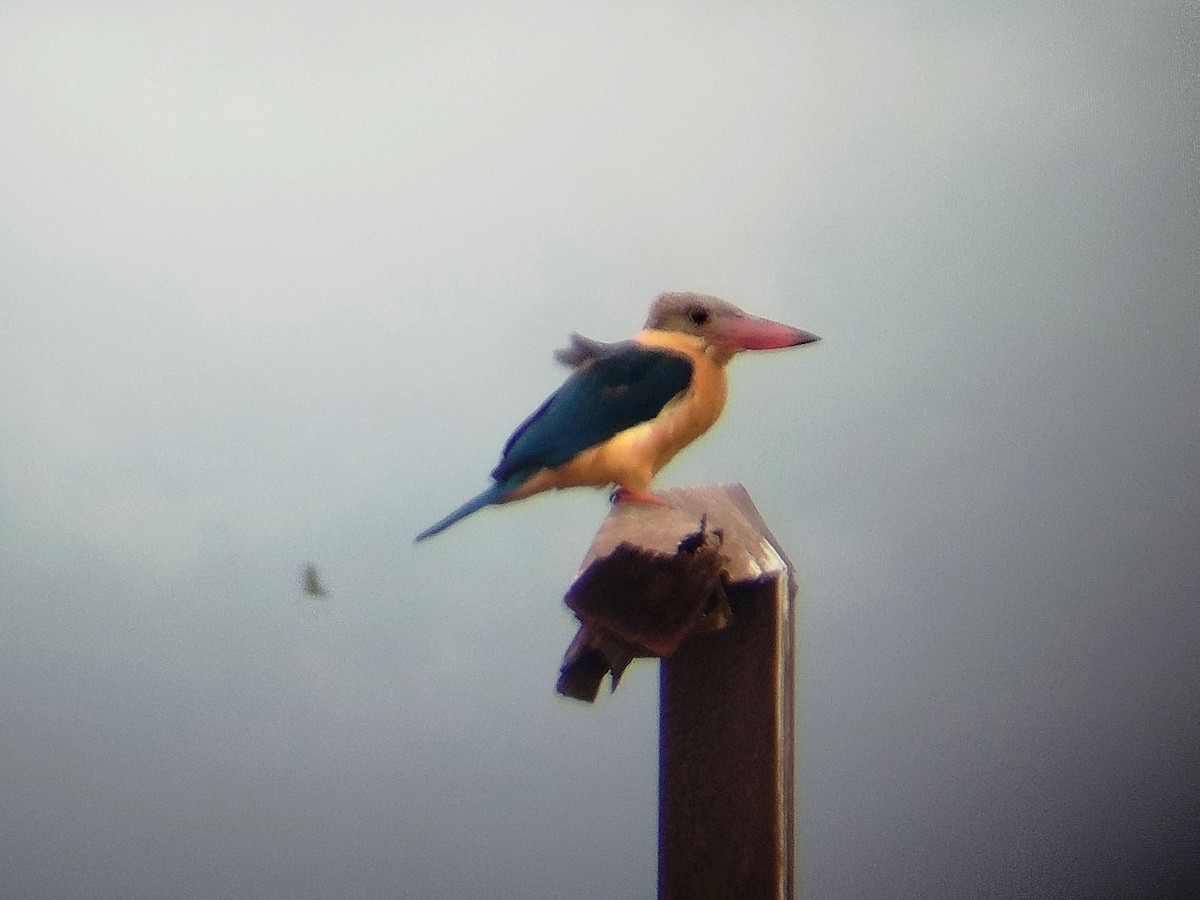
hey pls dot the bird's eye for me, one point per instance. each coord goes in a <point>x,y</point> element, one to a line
<point>698,315</point>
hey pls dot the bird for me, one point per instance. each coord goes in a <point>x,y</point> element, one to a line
<point>628,407</point>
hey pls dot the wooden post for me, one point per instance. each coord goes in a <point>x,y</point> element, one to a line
<point>703,584</point>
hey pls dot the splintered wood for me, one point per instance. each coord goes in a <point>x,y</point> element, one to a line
<point>655,575</point>
<point>636,601</point>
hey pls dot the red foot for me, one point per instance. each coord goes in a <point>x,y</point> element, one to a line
<point>625,495</point>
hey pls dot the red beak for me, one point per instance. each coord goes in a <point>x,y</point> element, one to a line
<point>747,332</point>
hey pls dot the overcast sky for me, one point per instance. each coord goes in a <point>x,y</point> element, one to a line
<point>278,280</point>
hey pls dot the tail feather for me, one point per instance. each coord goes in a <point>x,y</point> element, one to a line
<point>492,495</point>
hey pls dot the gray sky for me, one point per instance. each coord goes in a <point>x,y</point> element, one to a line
<point>276,282</point>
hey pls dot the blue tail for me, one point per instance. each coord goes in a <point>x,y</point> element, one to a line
<point>488,497</point>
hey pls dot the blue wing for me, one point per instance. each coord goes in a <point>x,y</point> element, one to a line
<point>620,386</point>
<point>613,387</point>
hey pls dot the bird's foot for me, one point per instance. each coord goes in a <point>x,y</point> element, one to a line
<point>625,495</point>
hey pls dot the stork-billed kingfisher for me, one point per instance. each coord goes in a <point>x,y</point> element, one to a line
<point>629,406</point>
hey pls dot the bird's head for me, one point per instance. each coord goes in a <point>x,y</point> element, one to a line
<point>722,326</point>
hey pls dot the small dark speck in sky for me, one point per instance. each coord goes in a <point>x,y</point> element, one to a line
<point>310,579</point>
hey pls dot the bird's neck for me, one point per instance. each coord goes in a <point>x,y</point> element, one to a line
<point>689,345</point>
<point>702,402</point>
